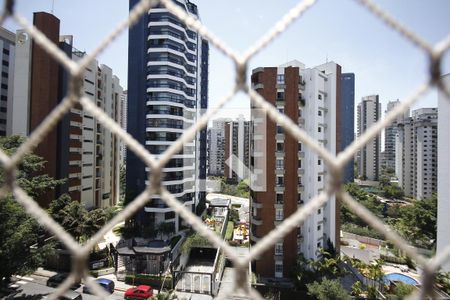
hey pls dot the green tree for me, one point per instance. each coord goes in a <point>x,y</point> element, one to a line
<point>327,266</point>
<point>402,290</point>
<point>327,289</point>
<point>369,201</point>
<point>443,281</point>
<point>94,220</point>
<point>243,190</point>
<point>417,222</point>
<point>307,271</point>
<point>393,191</point>
<point>18,231</point>
<point>303,273</point>
<point>122,180</point>
<point>73,218</point>
<point>357,289</point>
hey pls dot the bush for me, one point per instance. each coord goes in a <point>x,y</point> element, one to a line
<point>154,281</point>
<point>229,232</point>
<point>362,230</point>
<point>194,240</point>
<point>393,259</point>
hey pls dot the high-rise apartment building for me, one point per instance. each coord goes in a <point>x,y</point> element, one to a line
<point>167,91</point>
<point>123,124</point>
<point>236,150</point>
<point>285,173</point>
<point>416,153</point>
<point>347,133</point>
<point>443,188</point>
<point>368,113</point>
<point>7,48</point>
<point>390,132</point>
<point>216,147</point>
<point>78,149</point>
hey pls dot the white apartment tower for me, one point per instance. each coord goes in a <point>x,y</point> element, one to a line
<point>236,149</point>
<point>7,53</point>
<point>216,147</point>
<point>443,192</point>
<point>416,153</point>
<point>368,113</point>
<point>390,133</point>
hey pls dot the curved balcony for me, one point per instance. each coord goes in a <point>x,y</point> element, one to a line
<point>256,204</point>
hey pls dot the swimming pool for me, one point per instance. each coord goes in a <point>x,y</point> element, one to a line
<point>400,277</point>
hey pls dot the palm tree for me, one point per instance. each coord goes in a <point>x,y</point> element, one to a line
<point>357,289</point>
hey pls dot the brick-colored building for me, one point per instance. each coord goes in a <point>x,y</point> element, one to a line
<point>286,174</point>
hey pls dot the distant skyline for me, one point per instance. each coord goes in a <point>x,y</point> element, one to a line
<point>384,62</point>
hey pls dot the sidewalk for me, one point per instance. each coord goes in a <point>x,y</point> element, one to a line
<point>44,273</point>
<point>119,285</point>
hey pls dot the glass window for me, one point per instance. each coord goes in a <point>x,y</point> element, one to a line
<point>279,249</point>
<point>280,164</point>
<point>280,79</point>
<point>279,214</point>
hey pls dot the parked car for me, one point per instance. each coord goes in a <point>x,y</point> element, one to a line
<point>139,292</point>
<point>59,278</point>
<point>107,284</point>
<point>71,295</point>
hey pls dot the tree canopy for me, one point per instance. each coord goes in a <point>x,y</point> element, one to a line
<point>19,231</point>
<point>328,289</point>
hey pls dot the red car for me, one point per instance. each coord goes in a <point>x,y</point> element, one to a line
<point>139,292</point>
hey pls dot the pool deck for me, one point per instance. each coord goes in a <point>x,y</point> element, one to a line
<point>392,268</point>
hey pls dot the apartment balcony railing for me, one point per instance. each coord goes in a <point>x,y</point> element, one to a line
<point>256,220</point>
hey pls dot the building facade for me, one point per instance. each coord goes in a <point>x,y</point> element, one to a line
<point>78,149</point>
<point>347,133</point>
<point>7,54</point>
<point>443,192</point>
<point>416,153</point>
<point>390,133</point>
<point>216,147</point>
<point>123,124</point>
<point>286,174</point>
<point>368,113</point>
<point>236,150</point>
<point>167,91</point>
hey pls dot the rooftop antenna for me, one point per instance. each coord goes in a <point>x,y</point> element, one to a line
<point>327,57</point>
<point>53,6</point>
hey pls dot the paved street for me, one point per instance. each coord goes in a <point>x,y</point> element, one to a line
<point>28,289</point>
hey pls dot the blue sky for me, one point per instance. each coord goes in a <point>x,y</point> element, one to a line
<point>384,62</point>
